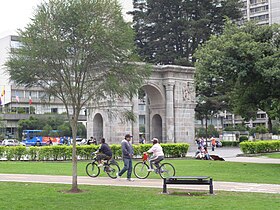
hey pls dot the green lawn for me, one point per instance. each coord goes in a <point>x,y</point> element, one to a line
<point>23,196</point>
<point>272,155</point>
<point>218,170</point>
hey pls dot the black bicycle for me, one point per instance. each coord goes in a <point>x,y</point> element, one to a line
<point>111,167</point>
<point>142,169</point>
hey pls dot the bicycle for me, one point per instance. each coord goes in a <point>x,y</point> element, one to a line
<point>141,169</point>
<point>110,167</point>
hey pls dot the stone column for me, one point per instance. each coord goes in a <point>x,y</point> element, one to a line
<point>169,117</point>
<point>147,121</point>
<point>135,125</point>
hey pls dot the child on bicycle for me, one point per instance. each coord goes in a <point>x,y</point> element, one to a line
<point>158,154</point>
<point>105,152</point>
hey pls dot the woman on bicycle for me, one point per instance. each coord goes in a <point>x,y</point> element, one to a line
<point>158,154</point>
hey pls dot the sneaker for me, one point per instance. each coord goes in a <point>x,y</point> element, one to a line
<point>130,180</point>
<point>118,176</point>
<point>150,169</point>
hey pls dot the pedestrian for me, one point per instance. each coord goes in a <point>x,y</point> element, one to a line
<point>127,153</point>
<point>213,143</point>
<point>206,154</point>
<point>142,139</point>
<point>95,142</point>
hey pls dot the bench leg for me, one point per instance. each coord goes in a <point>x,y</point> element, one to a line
<point>211,187</point>
<point>164,190</point>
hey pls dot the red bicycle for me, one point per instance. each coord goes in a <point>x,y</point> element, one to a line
<point>142,170</point>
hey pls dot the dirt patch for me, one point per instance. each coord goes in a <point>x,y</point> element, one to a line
<point>72,191</point>
<point>187,193</point>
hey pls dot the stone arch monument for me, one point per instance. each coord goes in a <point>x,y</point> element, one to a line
<point>169,109</point>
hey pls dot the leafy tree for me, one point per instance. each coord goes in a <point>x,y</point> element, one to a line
<point>82,131</point>
<point>244,61</point>
<point>2,129</point>
<point>168,32</point>
<point>261,129</point>
<point>78,51</point>
<point>212,131</point>
<point>47,130</point>
<point>64,129</point>
<point>276,128</point>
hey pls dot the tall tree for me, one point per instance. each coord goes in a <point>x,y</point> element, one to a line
<point>245,63</point>
<point>168,32</point>
<point>79,51</point>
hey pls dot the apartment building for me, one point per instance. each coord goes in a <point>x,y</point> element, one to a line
<point>262,11</point>
<point>19,102</point>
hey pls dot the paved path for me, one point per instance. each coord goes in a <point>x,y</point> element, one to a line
<point>230,154</point>
<point>154,183</point>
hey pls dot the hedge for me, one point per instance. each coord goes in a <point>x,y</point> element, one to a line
<point>249,147</point>
<point>230,143</point>
<point>64,152</point>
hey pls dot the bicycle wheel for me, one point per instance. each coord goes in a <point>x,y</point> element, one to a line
<point>112,170</point>
<point>166,170</point>
<point>92,169</point>
<point>140,170</point>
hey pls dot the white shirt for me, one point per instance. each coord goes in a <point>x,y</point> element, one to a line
<point>156,149</point>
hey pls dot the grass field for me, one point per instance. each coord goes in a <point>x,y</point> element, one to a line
<point>273,155</point>
<point>218,170</point>
<point>21,196</point>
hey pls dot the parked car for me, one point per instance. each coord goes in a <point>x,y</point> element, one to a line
<point>10,142</point>
<point>81,141</point>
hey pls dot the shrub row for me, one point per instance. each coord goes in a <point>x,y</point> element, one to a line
<point>249,147</point>
<point>230,143</point>
<point>83,152</point>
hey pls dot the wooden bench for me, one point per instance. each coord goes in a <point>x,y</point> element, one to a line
<point>188,180</point>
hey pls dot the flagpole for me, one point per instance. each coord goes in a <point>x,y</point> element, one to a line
<point>3,102</point>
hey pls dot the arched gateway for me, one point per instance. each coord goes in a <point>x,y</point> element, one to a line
<point>169,105</point>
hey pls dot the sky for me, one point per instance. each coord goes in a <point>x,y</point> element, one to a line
<point>16,14</point>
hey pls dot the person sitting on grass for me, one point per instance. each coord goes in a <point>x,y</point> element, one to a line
<point>206,154</point>
<point>158,154</point>
<point>104,152</point>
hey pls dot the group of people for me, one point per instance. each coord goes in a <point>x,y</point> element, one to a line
<point>202,151</point>
<point>105,153</point>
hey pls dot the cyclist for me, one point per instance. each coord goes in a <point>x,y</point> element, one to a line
<point>105,152</point>
<point>158,154</point>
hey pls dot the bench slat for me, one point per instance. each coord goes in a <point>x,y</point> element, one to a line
<point>188,177</point>
<point>191,180</point>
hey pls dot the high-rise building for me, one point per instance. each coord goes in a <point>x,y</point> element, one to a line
<point>262,11</point>
<point>19,102</point>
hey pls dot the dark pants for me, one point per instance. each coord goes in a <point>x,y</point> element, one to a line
<point>102,157</point>
<point>127,167</point>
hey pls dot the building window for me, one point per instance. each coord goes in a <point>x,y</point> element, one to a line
<point>18,93</point>
<point>54,110</point>
<point>141,107</point>
<point>261,116</point>
<point>259,9</point>
<point>142,119</point>
<point>260,18</point>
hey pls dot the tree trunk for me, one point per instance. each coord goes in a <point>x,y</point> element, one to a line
<point>269,123</point>
<point>74,125</point>
<point>206,129</point>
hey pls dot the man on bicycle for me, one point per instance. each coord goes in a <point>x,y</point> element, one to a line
<point>158,154</point>
<point>105,152</point>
